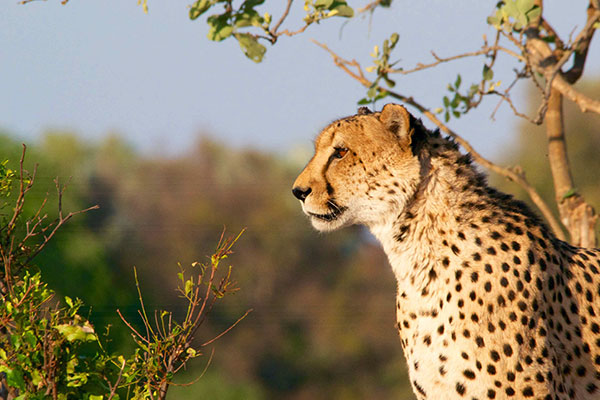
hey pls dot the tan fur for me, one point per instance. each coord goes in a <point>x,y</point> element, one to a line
<point>490,303</point>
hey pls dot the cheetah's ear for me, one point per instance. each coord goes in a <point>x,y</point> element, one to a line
<point>397,120</point>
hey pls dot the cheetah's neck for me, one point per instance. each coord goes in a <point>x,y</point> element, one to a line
<point>452,201</point>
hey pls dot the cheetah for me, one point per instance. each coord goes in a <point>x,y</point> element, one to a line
<point>490,304</point>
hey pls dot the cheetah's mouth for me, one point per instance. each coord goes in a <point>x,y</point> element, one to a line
<point>333,215</point>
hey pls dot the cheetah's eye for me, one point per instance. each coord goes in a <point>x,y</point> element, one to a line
<point>340,152</point>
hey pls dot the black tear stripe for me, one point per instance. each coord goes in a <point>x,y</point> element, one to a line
<point>329,188</point>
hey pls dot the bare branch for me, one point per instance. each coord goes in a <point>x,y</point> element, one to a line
<point>142,338</point>
<point>540,52</point>
<point>582,44</point>
<point>227,330</point>
<point>293,33</point>
<point>283,17</point>
<point>485,50</point>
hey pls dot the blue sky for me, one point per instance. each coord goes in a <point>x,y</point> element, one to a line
<point>103,66</point>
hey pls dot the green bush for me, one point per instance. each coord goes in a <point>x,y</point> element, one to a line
<point>48,349</point>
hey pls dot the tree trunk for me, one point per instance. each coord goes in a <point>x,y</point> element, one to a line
<point>577,216</point>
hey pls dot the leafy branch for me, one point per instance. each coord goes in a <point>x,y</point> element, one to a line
<point>248,26</point>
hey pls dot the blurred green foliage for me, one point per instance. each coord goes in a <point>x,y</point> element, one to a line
<point>323,319</point>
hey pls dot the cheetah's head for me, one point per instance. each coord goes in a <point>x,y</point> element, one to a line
<point>364,170</point>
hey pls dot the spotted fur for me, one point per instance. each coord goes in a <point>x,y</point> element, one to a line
<point>490,304</point>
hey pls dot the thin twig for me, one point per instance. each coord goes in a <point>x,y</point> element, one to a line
<point>439,60</point>
<point>228,329</point>
<point>283,17</point>
<point>113,390</point>
<point>132,328</point>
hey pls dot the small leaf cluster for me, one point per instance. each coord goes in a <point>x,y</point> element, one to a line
<point>457,104</point>
<point>232,20</point>
<point>7,176</point>
<point>248,26</point>
<point>318,10</point>
<point>514,15</point>
<point>382,66</point>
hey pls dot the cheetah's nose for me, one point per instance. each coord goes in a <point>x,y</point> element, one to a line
<point>301,193</point>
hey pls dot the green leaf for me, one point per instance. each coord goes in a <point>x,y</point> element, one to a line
<point>191,352</point>
<point>364,101</point>
<point>95,397</point>
<point>372,92</point>
<point>248,4</point>
<point>521,22</point>
<point>382,94</point>
<point>394,39</point>
<point>250,46</point>
<point>69,301</point>
<point>455,101</point>
<point>446,101</point>
<point>343,11</point>
<point>76,332</point>
<point>36,377</point>
<point>524,5</point>
<point>510,9</point>
<point>29,338</point>
<point>494,21</point>
<point>220,28</point>
<point>534,13</point>
<point>199,8</point>
<point>458,81</point>
<point>488,73</point>
<point>248,18</point>
<point>389,82</point>
<point>189,285</point>
<point>14,377</point>
<point>570,193</point>
<point>323,3</point>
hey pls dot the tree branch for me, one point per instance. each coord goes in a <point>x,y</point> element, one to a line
<point>283,17</point>
<point>485,50</point>
<point>543,60</point>
<point>582,44</point>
